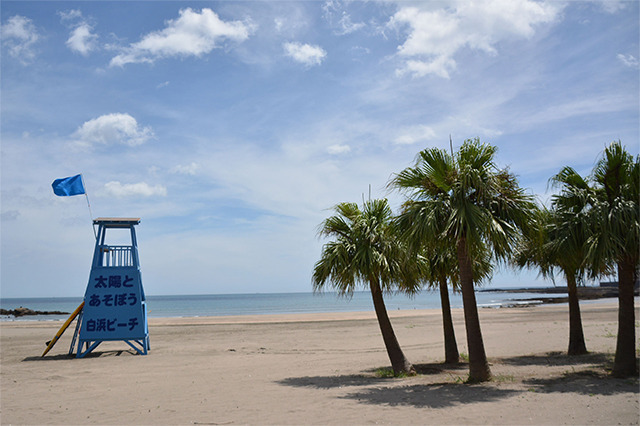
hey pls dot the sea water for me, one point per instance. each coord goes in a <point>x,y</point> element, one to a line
<point>266,303</point>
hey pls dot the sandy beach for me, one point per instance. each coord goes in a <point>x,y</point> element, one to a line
<point>320,369</point>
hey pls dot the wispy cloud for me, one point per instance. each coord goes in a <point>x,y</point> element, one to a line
<point>189,169</point>
<point>290,20</point>
<point>612,6</point>
<point>435,36</point>
<point>113,128</point>
<point>337,16</point>
<point>306,54</point>
<point>603,104</point>
<point>191,34</point>
<point>415,134</point>
<point>70,15</point>
<point>141,189</point>
<point>19,35</point>
<point>338,149</point>
<point>629,60</point>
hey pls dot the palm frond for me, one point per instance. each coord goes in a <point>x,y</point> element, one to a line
<point>365,248</point>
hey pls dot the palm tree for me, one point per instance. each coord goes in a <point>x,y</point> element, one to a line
<point>615,240</point>
<point>442,266</point>
<point>558,243</point>
<point>568,235</point>
<point>465,199</point>
<point>365,250</point>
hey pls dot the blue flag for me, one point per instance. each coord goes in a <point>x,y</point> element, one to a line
<point>71,185</point>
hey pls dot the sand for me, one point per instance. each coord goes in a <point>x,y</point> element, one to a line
<point>320,369</point>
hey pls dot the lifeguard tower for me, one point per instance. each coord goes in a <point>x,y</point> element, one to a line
<point>114,303</point>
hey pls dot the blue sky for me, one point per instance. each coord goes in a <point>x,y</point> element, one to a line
<point>232,128</point>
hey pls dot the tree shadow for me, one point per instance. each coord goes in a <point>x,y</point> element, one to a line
<point>391,391</point>
<point>586,382</point>
<point>431,395</point>
<point>428,369</point>
<point>434,368</point>
<point>329,382</point>
<point>93,354</point>
<point>369,378</point>
<point>559,359</point>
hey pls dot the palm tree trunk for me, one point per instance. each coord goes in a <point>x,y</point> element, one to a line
<point>399,362</point>
<point>451,355</point>
<point>478,366</point>
<point>577,345</point>
<point>624,364</point>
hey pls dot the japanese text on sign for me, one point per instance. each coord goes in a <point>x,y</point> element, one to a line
<point>114,305</point>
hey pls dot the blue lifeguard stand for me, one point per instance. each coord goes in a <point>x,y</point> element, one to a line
<point>114,303</point>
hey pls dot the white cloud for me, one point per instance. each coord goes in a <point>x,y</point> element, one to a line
<point>436,35</point>
<point>440,66</point>
<point>415,134</point>
<point>189,169</point>
<point>82,40</point>
<point>338,149</point>
<point>278,24</point>
<point>629,60</point>
<point>290,19</point>
<point>347,26</point>
<point>191,34</point>
<point>141,189</point>
<point>305,53</point>
<point>344,25</point>
<point>114,128</point>
<point>70,15</point>
<point>612,6</point>
<point>19,35</point>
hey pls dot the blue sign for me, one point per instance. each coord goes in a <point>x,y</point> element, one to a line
<point>113,307</point>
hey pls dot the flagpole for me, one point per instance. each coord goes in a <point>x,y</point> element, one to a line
<point>89,205</point>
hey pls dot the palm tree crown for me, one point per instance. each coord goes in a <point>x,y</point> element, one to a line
<point>364,248</point>
<point>464,196</point>
<point>616,215</point>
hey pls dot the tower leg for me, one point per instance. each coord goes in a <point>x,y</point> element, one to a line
<point>75,334</point>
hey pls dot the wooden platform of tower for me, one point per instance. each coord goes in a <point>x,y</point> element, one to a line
<point>114,303</point>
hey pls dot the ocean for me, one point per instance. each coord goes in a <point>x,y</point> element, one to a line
<point>265,303</point>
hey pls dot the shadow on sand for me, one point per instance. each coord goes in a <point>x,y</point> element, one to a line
<point>586,382</point>
<point>585,375</point>
<point>370,378</point>
<point>560,359</point>
<point>431,395</point>
<point>330,382</point>
<point>94,354</point>
<point>400,391</point>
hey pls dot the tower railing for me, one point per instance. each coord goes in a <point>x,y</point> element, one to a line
<point>115,256</point>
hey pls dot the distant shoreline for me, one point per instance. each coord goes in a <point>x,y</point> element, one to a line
<point>584,293</point>
<point>282,303</point>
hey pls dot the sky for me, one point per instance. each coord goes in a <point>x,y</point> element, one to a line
<point>232,128</point>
